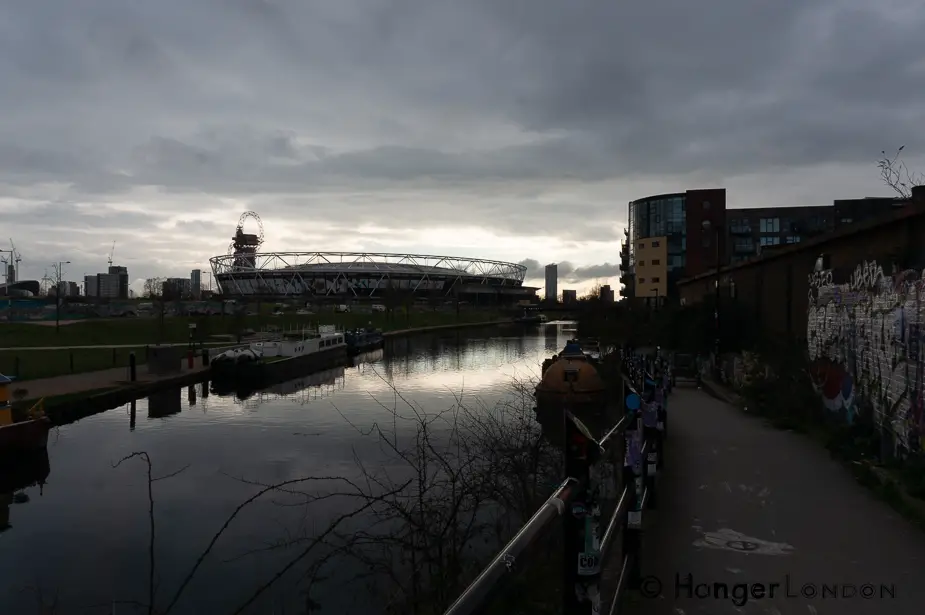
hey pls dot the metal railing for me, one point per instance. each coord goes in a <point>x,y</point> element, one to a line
<point>576,502</point>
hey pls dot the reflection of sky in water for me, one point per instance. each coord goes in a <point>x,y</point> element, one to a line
<point>86,536</point>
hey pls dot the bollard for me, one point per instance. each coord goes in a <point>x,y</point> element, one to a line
<point>189,358</point>
<point>113,357</point>
<point>132,368</point>
<point>205,357</point>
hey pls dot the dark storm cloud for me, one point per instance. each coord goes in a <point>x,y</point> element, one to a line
<point>409,113</point>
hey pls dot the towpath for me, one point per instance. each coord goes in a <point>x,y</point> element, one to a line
<point>741,502</point>
<point>96,380</point>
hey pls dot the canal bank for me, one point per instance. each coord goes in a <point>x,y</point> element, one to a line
<point>69,398</point>
<point>216,448</point>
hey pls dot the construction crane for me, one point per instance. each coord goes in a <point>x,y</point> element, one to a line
<point>111,252</point>
<point>5,263</point>
<point>17,258</point>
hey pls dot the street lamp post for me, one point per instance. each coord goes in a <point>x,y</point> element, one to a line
<point>59,277</point>
<point>707,226</point>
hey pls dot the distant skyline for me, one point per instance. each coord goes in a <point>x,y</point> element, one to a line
<point>489,128</point>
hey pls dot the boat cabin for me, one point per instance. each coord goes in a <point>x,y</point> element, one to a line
<point>303,342</point>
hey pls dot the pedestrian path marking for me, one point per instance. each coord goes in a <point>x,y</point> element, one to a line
<point>730,540</point>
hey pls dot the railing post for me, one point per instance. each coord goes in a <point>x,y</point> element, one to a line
<point>581,526</point>
<point>650,416</point>
<point>633,468</point>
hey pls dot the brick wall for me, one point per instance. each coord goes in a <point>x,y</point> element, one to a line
<point>860,317</point>
<point>775,288</point>
<point>704,205</point>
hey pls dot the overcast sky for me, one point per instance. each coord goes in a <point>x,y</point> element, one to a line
<point>508,129</point>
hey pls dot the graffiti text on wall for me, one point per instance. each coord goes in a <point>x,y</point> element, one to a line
<point>864,340</point>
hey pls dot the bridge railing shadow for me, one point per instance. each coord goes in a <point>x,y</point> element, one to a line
<point>590,527</point>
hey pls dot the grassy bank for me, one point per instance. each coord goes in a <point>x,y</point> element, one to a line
<point>32,364</point>
<point>151,330</point>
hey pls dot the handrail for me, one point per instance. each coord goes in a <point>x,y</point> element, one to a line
<point>474,596</point>
<point>621,585</point>
<point>635,498</point>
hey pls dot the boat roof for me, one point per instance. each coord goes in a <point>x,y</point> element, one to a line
<point>5,379</point>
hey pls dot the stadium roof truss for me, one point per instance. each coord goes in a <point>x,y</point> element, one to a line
<point>290,273</point>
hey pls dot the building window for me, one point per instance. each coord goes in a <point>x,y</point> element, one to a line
<point>744,244</point>
<point>847,220</point>
<point>642,263</point>
<point>770,225</point>
<point>642,280</point>
<point>655,244</point>
<point>655,280</point>
<point>642,245</point>
<point>657,262</point>
<point>740,226</point>
<point>793,239</point>
<point>770,241</point>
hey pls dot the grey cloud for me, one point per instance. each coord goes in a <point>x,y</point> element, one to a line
<point>592,272</point>
<point>534,268</point>
<point>535,117</point>
<point>569,273</point>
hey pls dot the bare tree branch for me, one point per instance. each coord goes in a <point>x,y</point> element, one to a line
<point>897,175</point>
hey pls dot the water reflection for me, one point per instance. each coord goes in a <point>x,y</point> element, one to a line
<point>162,404</point>
<point>18,477</point>
<point>299,429</point>
<point>301,391</point>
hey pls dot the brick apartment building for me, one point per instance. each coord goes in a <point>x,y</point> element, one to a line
<point>697,231</point>
<point>775,286</point>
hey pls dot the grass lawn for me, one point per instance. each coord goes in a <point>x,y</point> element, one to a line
<point>32,364</point>
<point>148,330</point>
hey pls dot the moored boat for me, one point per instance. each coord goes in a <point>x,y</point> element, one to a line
<point>531,319</point>
<point>20,472</point>
<point>363,340</point>
<point>591,347</point>
<point>295,354</point>
<point>18,434</point>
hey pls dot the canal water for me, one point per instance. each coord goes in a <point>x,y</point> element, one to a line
<point>83,541</point>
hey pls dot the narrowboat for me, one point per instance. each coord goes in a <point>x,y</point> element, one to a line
<point>24,433</point>
<point>271,361</point>
<point>20,472</point>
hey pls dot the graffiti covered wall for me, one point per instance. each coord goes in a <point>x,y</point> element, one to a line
<point>865,344</point>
